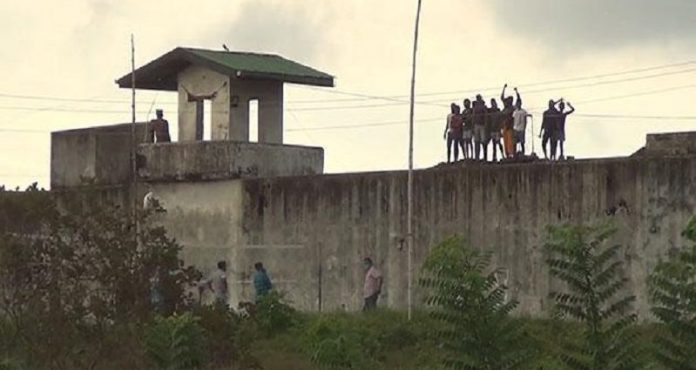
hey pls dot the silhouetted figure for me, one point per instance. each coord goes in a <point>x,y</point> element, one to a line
<point>519,117</point>
<point>495,128</point>
<point>479,112</point>
<point>549,127</point>
<point>561,136</point>
<point>159,129</point>
<point>453,132</point>
<point>467,117</point>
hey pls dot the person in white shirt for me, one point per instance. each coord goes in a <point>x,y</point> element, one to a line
<point>217,283</point>
<point>519,117</point>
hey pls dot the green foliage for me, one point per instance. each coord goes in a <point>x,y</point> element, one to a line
<point>229,337</point>
<point>333,342</point>
<point>274,314</point>
<point>176,343</point>
<point>592,274</point>
<point>672,287</point>
<point>469,301</point>
<point>76,278</point>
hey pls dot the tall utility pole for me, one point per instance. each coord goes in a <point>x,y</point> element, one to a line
<point>409,214</point>
<point>134,174</point>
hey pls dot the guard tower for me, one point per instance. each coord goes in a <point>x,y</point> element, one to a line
<point>230,80</point>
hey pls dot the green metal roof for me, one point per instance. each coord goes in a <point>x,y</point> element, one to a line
<point>161,73</point>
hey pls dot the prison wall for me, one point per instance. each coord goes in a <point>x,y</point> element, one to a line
<point>313,231</point>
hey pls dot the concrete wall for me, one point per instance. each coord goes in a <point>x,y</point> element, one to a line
<point>95,155</point>
<point>313,231</point>
<point>270,110</point>
<point>230,121</point>
<point>227,160</point>
<point>202,81</point>
<point>677,143</point>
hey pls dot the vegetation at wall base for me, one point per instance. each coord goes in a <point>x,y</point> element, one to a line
<point>591,271</point>
<point>469,301</point>
<point>673,295</point>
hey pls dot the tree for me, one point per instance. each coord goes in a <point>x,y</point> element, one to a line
<point>672,287</point>
<point>477,330</point>
<point>592,274</point>
<point>80,275</point>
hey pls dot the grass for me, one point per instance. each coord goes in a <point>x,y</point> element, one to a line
<point>391,342</point>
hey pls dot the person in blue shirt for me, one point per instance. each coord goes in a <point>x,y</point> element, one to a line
<point>262,283</point>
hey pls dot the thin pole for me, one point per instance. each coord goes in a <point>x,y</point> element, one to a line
<point>409,214</point>
<point>133,141</point>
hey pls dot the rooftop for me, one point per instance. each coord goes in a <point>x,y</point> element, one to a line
<point>161,73</point>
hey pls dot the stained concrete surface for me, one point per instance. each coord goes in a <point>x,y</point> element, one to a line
<point>312,231</point>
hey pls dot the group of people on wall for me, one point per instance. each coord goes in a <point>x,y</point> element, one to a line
<point>474,126</point>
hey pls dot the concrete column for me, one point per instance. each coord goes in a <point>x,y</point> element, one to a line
<point>271,114</point>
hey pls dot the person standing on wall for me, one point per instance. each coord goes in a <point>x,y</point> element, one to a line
<point>373,285</point>
<point>479,113</point>
<point>159,129</point>
<point>562,115</point>
<point>262,283</point>
<point>453,132</point>
<point>519,117</point>
<point>549,126</point>
<point>494,120</point>
<point>508,132</point>
<point>467,117</point>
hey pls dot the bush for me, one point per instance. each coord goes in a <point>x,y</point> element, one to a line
<point>334,341</point>
<point>175,343</point>
<point>229,337</point>
<point>469,302</point>
<point>592,273</point>
<point>673,294</point>
<point>274,314</point>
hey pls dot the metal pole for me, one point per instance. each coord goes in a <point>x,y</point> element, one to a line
<point>134,174</point>
<point>409,214</point>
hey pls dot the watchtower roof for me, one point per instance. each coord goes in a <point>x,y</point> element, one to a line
<point>161,73</point>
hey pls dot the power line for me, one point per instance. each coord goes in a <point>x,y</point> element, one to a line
<point>394,100</point>
<point>548,82</point>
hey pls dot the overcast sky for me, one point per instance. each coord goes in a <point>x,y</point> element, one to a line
<point>60,60</point>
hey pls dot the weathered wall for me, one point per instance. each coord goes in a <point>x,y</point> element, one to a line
<point>230,120</point>
<point>227,160</point>
<point>270,110</point>
<point>203,81</point>
<point>312,231</point>
<point>676,143</point>
<point>95,155</point>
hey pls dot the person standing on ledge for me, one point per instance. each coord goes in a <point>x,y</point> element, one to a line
<point>262,283</point>
<point>560,134</point>
<point>373,285</point>
<point>159,129</point>
<point>453,133</point>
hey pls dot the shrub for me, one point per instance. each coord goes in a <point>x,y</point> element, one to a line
<point>673,294</point>
<point>467,299</point>
<point>176,342</point>
<point>334,341</point>
<point>229,337</point>
<point>274,314</point>
<point>591,271</point>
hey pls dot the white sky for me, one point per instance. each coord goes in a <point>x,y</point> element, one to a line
<point>75,49</point>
